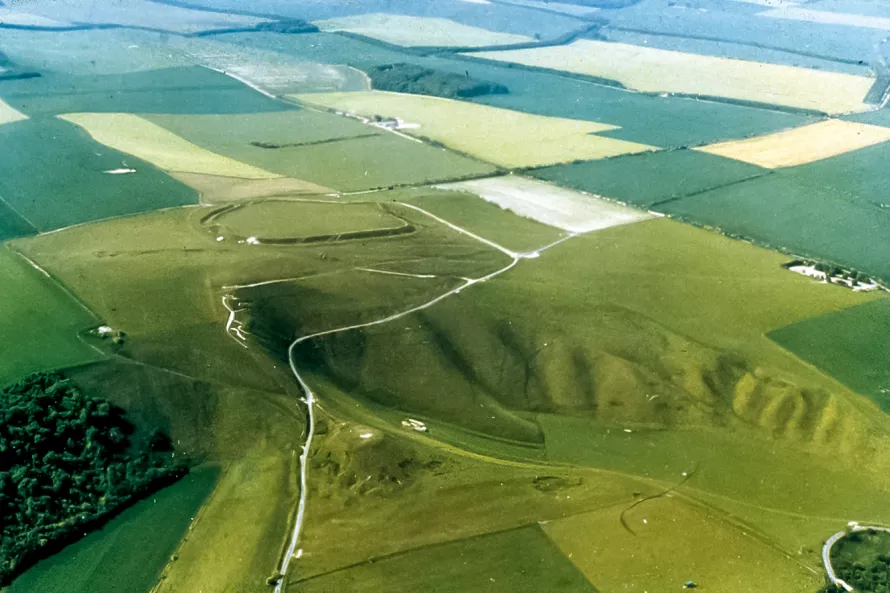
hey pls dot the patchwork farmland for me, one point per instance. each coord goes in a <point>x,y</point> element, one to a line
<point>451,295</point>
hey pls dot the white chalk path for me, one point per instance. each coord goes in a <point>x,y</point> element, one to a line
<point>310,397</point>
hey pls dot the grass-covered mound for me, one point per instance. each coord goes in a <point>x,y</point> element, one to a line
<point>67,462</point>
<point>409,78</point>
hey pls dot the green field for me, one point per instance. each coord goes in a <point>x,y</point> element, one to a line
<point>131,549</point>
<point>12,224</point>
<point>798,214</point>
<point>171,90</point>
<point>517,561</point>
<point>322,148</point>
<point>52,174</point>
<point>851,345</point>
<point>647,179</point>
<point>283,220</point>
<point>487,220</point>
<point>40,322</point>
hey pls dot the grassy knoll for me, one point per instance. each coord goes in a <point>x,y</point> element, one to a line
<point>649,69</point>
<point>644,179</point>
<point>488,220</point>
<point>851,345</point>
<point>161,277</point>
<point>507,138</point>
<point>133,548</point>
<point>427,493</point>
<point>674,542</point>
<point>823,210</point>
<point>322,148</point>
<point>52,174</point>
<point>40,322</point>
<point>521,560</point>
<point>173,90</point>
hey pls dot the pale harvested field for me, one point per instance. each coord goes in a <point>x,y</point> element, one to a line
<point>26,19</point>
<point>409,31</point>
<point>551,205</point>
<point>216,189</point>
<point>657,70</point>
<point>675,542</point>
<point>9,115</point>
<point>802,145</point>
<point>828,18</point>
<point>134,135</point>
<point>501,136</point>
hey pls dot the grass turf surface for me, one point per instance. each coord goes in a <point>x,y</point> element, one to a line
<point>131,549</point>
<point>851,345</point>
<point>171,90</point>
<point>52,174</point>
<point>325,149</point>
<point>645,179</point>
<point>516,561</point>
<point>39,322</point>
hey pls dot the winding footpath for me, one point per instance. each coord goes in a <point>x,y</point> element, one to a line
<point>310,398</point>
<point>829,543</point>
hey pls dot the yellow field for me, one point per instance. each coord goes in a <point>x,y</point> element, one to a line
<point>134,135</point>
<point>501,136</point>
<point>216,189</point>
<point>675,542</point>
<point>10,115</point>
<point>802,145</point>
<point>408,30</point>
<point>657,70</point>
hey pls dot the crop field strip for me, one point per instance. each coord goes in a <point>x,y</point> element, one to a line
<point>799,146</point>
<point>663,71</point>
<point>405,30</point>
<point>141,138</point>
<point>488,133</point>
<point>182,90</point>
<point>670,122</point>
<point>647,179</point>
<point>786,210</point>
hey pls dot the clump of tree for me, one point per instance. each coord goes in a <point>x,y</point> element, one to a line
<point>408,78</point>
<point>862,560</point>
<point>67,463</point>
